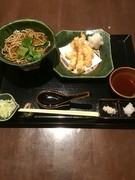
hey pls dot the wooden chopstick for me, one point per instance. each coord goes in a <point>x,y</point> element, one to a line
<point>60,112</point>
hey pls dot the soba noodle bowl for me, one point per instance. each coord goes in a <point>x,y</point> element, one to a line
<point>25,46</point>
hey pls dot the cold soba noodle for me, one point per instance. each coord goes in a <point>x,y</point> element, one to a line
<point>25,46</point>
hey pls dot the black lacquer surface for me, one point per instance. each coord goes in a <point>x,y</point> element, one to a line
<point>24,86</point>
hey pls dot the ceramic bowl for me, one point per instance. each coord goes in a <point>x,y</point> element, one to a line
<point>122,82</point>
<point>8,97</point>
<point>102,70</point>
<point>22,24</point>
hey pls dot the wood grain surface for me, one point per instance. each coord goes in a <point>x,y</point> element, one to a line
<point>64,153</point>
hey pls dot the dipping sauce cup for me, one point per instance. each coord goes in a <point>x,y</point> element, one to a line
<point>122,82</point>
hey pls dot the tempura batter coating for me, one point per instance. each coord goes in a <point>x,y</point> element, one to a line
<point>81,54</point>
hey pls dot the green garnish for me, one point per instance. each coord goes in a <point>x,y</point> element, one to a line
<point>21,52</point>
<point>28,51</point>
<point>27,42</point>
<point>35,54</point>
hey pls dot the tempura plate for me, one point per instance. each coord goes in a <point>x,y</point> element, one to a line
<point>102,70</point>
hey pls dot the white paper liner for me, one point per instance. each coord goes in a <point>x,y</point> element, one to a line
<point>63,50</point>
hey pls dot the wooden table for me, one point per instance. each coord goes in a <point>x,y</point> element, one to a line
<point>66,153</point>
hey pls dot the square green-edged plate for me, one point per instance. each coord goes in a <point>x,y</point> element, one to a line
<point>103,69</point>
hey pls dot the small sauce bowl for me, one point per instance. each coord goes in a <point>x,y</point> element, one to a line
<point>122,82</point>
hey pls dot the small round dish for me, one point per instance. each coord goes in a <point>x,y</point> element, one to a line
<point>102,70</point>
<point>8,106</point>
<point>122,82</point>
<point>33,58</point>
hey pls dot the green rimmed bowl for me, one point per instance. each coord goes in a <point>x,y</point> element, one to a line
<point>22,24</point>
<point>102,70</point>
<point>6,97</point>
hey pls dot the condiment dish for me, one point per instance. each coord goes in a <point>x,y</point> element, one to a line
<point>122,82</point>
<point>8,106</point>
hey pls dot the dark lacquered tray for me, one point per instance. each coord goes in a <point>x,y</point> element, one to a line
<point>24,86</point>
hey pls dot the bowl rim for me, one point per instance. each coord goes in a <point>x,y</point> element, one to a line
<point>111,76</point>
<point>28,20</point>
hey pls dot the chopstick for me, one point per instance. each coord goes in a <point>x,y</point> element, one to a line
<point>60,112</point>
